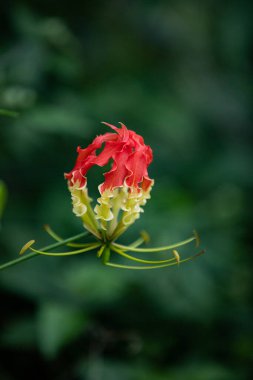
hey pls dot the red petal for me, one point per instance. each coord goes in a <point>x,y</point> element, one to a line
<point>130,156</point>
<point>136,165</point>
<point>116,176</point>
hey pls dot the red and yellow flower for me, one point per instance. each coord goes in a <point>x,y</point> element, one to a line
<point>126,185</point>
<point>123,194</point>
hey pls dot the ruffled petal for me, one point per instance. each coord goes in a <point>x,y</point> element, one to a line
<point>130,156</point>
<point>126,185</point>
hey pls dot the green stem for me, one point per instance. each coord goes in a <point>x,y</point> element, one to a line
<point>100,251</point>
<point>151,266</point>
<point>56,237</point>
<point>137,242</point>
<point>106,255</point>
<point>121,253</point>
<point>47,248</point>
<point>156,249</point>
<point>91,247</point>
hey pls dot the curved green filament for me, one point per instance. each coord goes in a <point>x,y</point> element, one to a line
<point>101,250</point>
<point>141,260</point>
<point>120,229</point>
<point>137,243</point>
<point>70,253</point>
<point>144,238</point>
<point>196,235</point>
<point>151,266</point>
<point>137,267</point>
<point>158,249</point>
<point>29,256</point>
<point>56,237</point>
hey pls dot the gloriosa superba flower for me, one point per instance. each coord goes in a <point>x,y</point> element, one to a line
<point>124,192</point>
<point>126,187</point>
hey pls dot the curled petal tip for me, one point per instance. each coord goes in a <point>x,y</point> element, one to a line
<point>108,124</point>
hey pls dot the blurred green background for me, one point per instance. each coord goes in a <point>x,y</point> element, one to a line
<point>178,73</point>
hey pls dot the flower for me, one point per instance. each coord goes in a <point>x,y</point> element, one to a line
<point>124,191</point>
<point>126,185</point>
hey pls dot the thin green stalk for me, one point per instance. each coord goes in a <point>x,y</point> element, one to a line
<point>56,237</point>
<point>121,253</point>
<point>29,256</point>
<point>158,249</point>
<point>137,267</point>
<point>137,242</point>
<point>101,250</point>
<point>68,253</point>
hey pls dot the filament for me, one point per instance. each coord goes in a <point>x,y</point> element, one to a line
<point>152,266</point>
<point>76,252</point>
<point>157,249</point>
<point>56,237</point>
<point>141,260</point>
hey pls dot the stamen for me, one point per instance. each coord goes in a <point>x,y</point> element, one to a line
<point>176,255</point>
<point>26,246</point>
<point>145,236</point>
<point>137,243</point>
<point>69,253</point>
<point>120,229</point>
<point>56,237</point>
<point>157,249</point>
<point>196,235</point>
<point>101,250</point>
<point>152,266</point>
<point>141,260</point>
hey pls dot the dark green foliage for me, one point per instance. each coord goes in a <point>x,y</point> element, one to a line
<point>178,73</point>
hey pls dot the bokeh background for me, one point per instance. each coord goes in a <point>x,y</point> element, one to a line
<point>178,73</point>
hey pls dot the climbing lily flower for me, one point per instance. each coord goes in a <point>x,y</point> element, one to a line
<point>123,192</point>
<point>126,186</point>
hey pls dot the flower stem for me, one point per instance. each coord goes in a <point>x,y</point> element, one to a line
<point>106,255</point>
<point>45,249</point>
